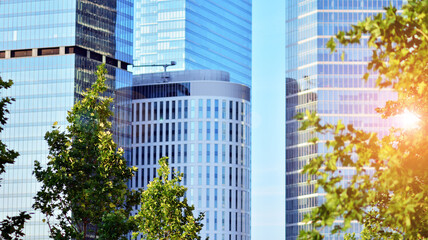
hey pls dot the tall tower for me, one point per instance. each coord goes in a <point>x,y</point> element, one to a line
<point>201,121</point>
<point>319,81</point>
<point>50,49</point>
<point>197,34</point>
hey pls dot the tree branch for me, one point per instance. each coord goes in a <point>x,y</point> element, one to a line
<point>421,32</point>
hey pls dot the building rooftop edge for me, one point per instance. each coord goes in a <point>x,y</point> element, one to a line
<point>181,76</point>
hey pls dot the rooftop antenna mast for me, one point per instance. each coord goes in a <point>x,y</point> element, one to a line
<point>164,75</point>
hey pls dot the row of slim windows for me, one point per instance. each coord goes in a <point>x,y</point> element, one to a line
<point>179,109</point>
<point>300,190</point>
<point>302,203</point>
<point>184,153</point>
<point>293,231</point>
<point>180,131</point>
<point>234,177</point>
<point>237,222</point>
<point>217,237</point>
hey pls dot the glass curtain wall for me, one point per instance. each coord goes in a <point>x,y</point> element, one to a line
<point>319,81</point>
<point>195,34</point>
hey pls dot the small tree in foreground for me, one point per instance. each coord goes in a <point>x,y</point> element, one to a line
<point>165,213</point>
<point>11,227</point>
<point>392,202</point>
<point>84,193</point>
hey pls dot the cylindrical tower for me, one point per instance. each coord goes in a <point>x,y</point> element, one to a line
<point>201,121</point>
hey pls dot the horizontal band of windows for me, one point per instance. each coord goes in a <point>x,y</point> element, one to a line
<point>36,52</point>
<point>197,88</point>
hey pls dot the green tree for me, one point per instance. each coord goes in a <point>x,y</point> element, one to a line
<point>165,213</point>
<point>389,191</point>
<point>84,193</point>
<point>11,227</point>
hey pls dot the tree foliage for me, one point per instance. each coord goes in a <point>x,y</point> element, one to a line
<point>84,193</point>
<point>388,192</point>
<point>165,213</point>
<point>11,227</point>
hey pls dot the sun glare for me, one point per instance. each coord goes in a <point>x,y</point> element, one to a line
<point>408,120</point>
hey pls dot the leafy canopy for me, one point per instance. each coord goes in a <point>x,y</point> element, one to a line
<point>84,192</point>
<point>165,213</point>
<point>389,190</point>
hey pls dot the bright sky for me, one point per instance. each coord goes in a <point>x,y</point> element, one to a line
<point>268,126</point>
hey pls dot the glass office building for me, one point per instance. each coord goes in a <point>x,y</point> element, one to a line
<point>197,34</point>
<point>319,81</point>
<point>50,49</point>
<point>202,122</point>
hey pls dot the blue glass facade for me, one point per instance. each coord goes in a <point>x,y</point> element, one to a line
<point>195,34</point>
<point>319,81</point>
<point>50,49</point>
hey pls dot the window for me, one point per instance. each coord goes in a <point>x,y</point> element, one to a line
<point>173,132</point>
<point>200,152</point>
<point>199,175</point>
<point>149,111</point>
<point>230,110</point>
<point>216,108</point>
<point>161,111</point>
<point>137,134</point>
<point>186,109</point>
<point>143,111</point>
<point>208,153</point>
<point>173,110</point>
<point>192,152</point>
<point>185,153</point>
<point>167,110</point>
<point>155,111</point>
<point>192,108</point>
<point>230,132</point>
<point>166,132</point>
<point>236,111</point>
<point>21,53</point>
<point>208,131</point>
<point>48,51</point>
<point>216,131</point>
<point>208,175</point>
<point>179,154</point>
<point>223,109</point>
<point>200,131</point>
<point>208,202</point>
<point>199,198</point>
<point>192,131</point>
<point>160,132</point>
<point>208,108</point>
<point>216,176</point>
<point>185,131</point>
<point>148,155</point>
<point>216,153</point>
<point>179,132</point>
<point>230,180</point>
<point>143,155</point>
<point>200,109</point>
<point>223,153</point>
<point>143,133</point>
<point>179,109</point>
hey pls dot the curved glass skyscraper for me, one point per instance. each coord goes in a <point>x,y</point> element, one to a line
<point>197,34</point>
<point>319,81</point>
<point>50,49</point>
<point>201,121</point>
